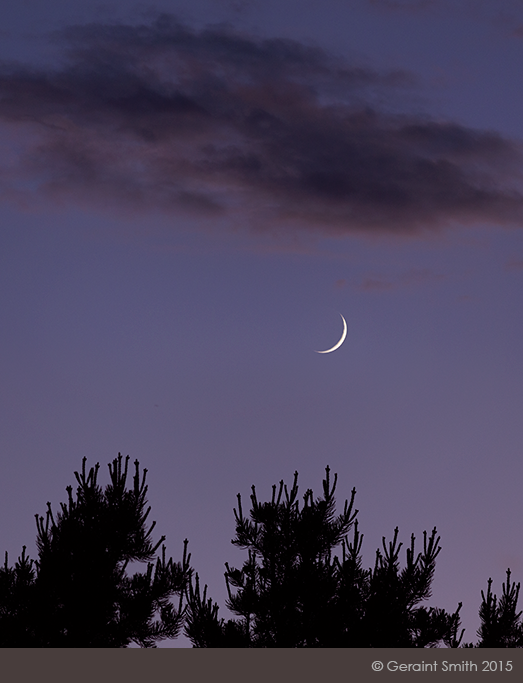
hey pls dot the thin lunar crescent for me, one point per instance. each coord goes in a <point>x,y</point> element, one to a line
<point>342,339</point>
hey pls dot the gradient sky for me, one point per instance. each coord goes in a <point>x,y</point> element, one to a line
<point>191,193</point>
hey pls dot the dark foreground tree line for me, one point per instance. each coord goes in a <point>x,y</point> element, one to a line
<point>302,584</point>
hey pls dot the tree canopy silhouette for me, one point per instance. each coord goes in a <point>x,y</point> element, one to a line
<point>295,591</point>
<point>78,593</point>
<point>302,585</point>
<point>500,621</point>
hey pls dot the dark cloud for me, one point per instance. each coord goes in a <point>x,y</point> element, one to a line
<point>264,132</point>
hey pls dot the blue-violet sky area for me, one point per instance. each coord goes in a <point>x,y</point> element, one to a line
<point>190,195</point>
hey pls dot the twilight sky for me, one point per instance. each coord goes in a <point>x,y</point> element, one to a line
<point>191,193</point>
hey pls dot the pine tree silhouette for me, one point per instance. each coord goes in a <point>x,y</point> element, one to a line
<point>17,601</point>
<point>78,593</point>
<point>500,622</point>
<point>303,583</point>
<point>294,591</point>
<point>383,602</point>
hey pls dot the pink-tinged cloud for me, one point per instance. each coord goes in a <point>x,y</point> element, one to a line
<point>261,132</point>
<point>371,284</point>
<point>412,278</point>
<point>407,6</point>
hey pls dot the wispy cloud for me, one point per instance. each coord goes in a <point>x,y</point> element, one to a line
<point>264,132</point>
<point>411,278</point>
<point>407,6</point>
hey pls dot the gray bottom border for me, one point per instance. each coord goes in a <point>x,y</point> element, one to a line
<point>255,666</point>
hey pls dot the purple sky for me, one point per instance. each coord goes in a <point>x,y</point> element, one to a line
<point>189,200</point>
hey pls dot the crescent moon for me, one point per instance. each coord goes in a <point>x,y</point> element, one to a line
<point>342,338</point>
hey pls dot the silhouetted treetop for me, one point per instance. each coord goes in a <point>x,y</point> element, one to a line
<point>296,589</point>
<point>500,621</point>
<point>81,593</point>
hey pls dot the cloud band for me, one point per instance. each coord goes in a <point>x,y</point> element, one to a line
<point>218,123</point>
